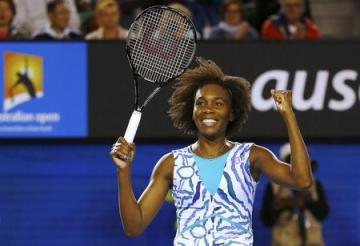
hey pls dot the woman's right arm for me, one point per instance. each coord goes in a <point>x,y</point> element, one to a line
<point>136,215</point>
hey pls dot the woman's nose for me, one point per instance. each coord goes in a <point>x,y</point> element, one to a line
<point>208,108</point>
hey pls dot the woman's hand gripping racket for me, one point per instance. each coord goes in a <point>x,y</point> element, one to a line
<point>160,46</point>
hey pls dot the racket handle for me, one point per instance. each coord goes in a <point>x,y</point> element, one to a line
<point>132,126</point>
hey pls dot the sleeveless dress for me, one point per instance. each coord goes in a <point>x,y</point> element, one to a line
<point>224,218</point>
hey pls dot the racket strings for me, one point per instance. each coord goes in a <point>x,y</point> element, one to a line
<point>173,29</point>
<point>149,67</point>
<point>145,65</point>
<point>162,44</point>
<point>184,29</point>
<point>151,62</point>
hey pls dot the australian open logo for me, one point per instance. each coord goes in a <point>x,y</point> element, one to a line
<point>23,83</point>
<point>23,79</point>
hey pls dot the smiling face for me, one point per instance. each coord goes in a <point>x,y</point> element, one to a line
<point>212,111</point>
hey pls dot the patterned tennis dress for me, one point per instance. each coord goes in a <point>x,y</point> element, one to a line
<point>221,219</point>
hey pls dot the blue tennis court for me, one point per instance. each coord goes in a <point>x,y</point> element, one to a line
<point>67,195</point>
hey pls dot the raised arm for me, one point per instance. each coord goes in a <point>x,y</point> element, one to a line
<point>297,175</point>
<point>136,215</point>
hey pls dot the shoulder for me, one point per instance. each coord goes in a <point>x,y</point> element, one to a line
<point>215,29</point>
<point>164,167</point>
<point>17,34</point>
<point>181,151</point>
<point>94,34</point>
<point>168,158</point>
<point>244,146</point>
<point>309,23</point>
<point>270,30</point>
<point>258,156</point>
<point>272,21</point>
<point>217,32</point>
<point>241,149</point>
<point>123,32</point>
<point>312,27</point>
<point>259,152</point>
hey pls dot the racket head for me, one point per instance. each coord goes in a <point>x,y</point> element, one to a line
<point>161,44</point>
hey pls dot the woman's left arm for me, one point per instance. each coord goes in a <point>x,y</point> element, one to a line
<point>298,174</point>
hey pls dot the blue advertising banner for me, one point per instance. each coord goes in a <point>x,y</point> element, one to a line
<point>43,89</point>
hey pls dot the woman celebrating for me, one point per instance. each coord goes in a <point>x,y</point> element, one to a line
<point>213,181</point>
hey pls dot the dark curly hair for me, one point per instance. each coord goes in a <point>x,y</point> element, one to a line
<point>182,100</point>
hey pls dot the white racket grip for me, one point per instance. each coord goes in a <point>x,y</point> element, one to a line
<point>132,126</point>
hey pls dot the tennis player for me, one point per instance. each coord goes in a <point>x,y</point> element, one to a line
<point>213,181</point>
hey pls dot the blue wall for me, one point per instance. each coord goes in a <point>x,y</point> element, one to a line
<point>67,195</point>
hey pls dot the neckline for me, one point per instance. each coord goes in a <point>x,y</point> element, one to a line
<point>213,158</point>
<point>216,157</point>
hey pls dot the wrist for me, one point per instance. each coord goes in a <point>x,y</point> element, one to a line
<point>289,114</point>
<point>123,171</point>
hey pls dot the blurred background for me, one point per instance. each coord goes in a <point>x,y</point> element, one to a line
<point>67,94</point>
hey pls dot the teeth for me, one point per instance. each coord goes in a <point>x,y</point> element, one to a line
<point>209,122</point>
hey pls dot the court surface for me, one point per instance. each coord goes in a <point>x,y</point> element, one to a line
<point>67,195</point>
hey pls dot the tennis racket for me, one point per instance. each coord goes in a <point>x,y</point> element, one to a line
<point>161,44</point>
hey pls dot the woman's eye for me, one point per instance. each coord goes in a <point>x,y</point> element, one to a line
<point>219,104</point>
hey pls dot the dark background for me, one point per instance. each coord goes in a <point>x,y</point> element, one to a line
<point>111,88</point>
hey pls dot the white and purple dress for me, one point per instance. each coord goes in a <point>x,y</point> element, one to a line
<point>221,218</point>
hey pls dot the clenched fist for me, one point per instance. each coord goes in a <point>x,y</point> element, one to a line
<point>122,153</point>
<point>282,100</point>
